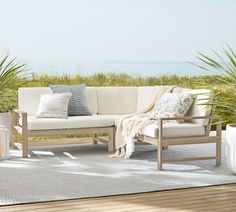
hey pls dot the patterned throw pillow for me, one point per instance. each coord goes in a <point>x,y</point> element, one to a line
<point>172,105</point>
<point>78,105</point>
<point>53,106</point>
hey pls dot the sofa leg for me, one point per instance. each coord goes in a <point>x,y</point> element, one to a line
<point>24,136</point>
<point>25,147</point>
<point>13,130</point>
<point>94,138</point>
<point>159,146</point>
<point>164,147</point>
<point>111,141</point>
<point>218,144</point>
<point>13,139</point>
<point>218,152</point>
<point>159,158</point>
<point>159,154</point>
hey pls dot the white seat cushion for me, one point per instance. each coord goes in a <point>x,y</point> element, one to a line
<point>115,117</point>
<point>71,122</point>
<point>174,130</point>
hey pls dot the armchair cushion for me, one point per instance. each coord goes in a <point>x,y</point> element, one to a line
<point>202,98</point>
<point>174,130</point>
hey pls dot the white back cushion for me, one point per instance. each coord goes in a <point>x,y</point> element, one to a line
<point>29,98</point>
<point>117,100</point>
<point>91,95</point>
<point>146,95</point>
<point>199,108</point>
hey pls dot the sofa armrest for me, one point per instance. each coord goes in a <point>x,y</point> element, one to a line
<point>187,118</point>
<point>19,112</point>
<point>16,114</point>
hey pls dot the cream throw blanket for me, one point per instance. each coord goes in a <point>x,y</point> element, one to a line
<point>130,126</point>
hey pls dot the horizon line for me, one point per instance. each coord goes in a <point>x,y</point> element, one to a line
<point>113,61</point>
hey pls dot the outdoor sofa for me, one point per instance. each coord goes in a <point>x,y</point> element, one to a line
<point>108,105</point>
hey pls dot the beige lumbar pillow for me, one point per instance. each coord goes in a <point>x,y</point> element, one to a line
<point>53,106</point>
<point>172,105</point>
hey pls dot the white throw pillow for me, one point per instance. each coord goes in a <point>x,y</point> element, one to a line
<point>54,106</point>
<point>172,105</point>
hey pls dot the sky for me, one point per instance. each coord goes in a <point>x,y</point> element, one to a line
<point>115,30</point>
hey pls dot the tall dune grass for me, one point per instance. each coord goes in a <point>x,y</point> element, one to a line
<point>124,80</point>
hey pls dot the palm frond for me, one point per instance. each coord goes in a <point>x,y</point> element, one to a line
<point>226,64</point>
<point>11,77</point>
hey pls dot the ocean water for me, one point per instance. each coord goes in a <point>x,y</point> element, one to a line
<point>131,68</point>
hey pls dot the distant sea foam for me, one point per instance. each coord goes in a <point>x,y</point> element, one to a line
<point>130,68</point>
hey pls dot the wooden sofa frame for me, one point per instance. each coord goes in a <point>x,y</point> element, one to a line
<point>26,133</point>
<point>161,142</point>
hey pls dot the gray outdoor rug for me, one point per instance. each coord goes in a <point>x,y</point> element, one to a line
<point>79,171</point>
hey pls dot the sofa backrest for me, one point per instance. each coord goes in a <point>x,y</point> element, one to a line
<point>118,100</point>
<point>29,98</point>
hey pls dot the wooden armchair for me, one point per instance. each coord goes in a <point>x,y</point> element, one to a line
<point>163,142</point>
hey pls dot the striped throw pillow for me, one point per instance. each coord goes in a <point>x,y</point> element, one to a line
<point>78,105</point>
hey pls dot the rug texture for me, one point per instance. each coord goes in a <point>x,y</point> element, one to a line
<point>79,171</point>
